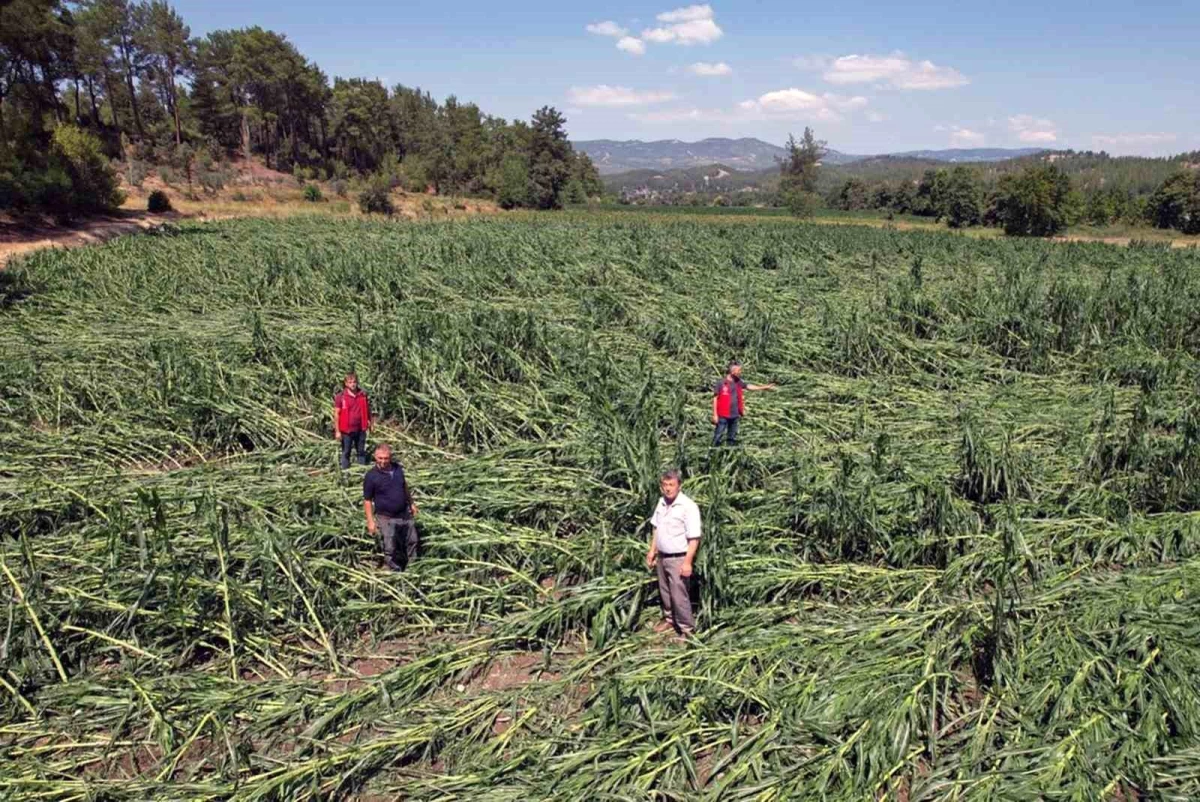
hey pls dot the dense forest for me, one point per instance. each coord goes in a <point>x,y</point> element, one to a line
<point>85,83</point>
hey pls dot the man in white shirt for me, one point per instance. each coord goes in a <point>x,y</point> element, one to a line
<point>673,546</point>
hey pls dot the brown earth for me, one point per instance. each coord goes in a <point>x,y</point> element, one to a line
<point>253,191</point>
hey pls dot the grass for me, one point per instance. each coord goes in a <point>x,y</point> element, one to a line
<point>1117,233</point>
<point>956,557</point>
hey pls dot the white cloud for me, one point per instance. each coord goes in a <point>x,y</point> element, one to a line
<point>876,117</point>
<point>605,95</point>
<point>687,14</point>
<point>606,28</point>
<point>625,42</point>
<point>799,104</point>
<point>710,70</point>
<point>1033,130</point>
<point>690,25</point>
<point>631,45</point>
<point>964,137</point>
<point>1127,140</point>
<point>896,70</point>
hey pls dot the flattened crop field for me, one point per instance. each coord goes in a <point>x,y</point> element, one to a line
<point>956,556</point>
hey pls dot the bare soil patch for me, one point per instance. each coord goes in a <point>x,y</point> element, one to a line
<point>19,238</point>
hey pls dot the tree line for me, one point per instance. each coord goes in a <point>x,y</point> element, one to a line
<point>85,82</point>
<point>1039,199</point>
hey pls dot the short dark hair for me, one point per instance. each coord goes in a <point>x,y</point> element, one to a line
<point>672,473</point>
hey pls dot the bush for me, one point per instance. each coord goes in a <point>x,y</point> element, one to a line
<point>70,175</point>
<point>93,181</point>
<point>339,187</point>
<point>376,200</point>
<point>168,175</point>
<point>800,203</point>
<point>312,194</point>
<point>158,202</point>
<point>240,196</point>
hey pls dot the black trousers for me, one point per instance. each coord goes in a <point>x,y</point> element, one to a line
<point>399,541</point>
<point>357,441</point>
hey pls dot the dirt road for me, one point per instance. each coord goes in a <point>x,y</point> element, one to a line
<point>16,239</point>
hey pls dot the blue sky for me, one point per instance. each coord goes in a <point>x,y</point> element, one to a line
<point>867,76</point>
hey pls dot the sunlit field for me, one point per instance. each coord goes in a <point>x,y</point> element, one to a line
<point>955,556</point>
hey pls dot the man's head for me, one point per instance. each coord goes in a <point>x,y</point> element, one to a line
<point>351,382</point>
<point>383,456</point>
<point>669,483</point>
<point>735,369</point>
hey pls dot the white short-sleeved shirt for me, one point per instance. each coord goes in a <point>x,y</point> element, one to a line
<point>675,524</point>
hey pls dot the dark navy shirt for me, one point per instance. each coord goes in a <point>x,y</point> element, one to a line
<point>388,490</point>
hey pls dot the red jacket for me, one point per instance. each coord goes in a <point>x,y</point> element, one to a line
<point>353,411</point>
<point>725,391</point>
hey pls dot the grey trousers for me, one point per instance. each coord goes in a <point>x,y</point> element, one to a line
<point>673,594</point>
<point>399,541</point>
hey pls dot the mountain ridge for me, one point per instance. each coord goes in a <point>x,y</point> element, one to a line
<point>748,154</point>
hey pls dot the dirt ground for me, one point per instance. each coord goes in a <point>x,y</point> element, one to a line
<point>255,191</point>
<point>19,238</point>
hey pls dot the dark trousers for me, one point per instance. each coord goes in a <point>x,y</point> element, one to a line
<point>674,594</point>
<point>399,541</point>
<point>357,441</point>
<point>726,425</point>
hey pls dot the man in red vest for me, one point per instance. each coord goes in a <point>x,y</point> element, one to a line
<point>729,403</point>
<point>351,420</point>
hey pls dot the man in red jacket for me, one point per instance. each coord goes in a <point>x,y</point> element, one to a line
<point>729,403</point>
<point>351,420</point>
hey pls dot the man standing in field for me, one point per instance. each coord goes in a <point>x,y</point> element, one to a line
<point>390,509</point>
<point>674,542</point>
<point>729,403</point>
<point>351,420</point>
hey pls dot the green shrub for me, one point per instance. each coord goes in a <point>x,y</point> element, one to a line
<point>168,175</point>
<point>375,199</point>
<point>240,196</point>
<point>158,202</point>
<point>800,203</point>
<point>312,194</point>
<point>93,182</point>
<point>68,177</point>
<point>339,187</point>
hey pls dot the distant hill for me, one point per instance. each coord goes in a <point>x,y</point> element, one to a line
<point>707,179</point>
<point>968,154</point>
<point>612,156</point>
<point>746,154</point>
<point>1089,171</point>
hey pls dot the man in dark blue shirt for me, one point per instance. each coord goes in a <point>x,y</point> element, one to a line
<point>390,509</point>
